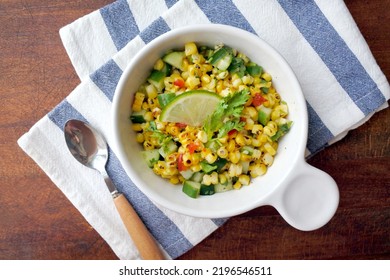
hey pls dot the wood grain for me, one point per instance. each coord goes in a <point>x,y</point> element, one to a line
<point>38,222</point>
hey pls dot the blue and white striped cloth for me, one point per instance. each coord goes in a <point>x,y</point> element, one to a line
<point>341,81</point>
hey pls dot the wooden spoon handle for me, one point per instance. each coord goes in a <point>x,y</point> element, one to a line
<point>143,240</point>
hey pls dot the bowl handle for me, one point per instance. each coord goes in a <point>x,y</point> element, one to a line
<point>308,199</point>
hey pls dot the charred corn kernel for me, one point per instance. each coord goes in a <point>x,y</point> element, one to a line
<point>174,180</point>
<point>222,152</point>
<point>185,75</point>
<point>244,179</point>
<point>187,159</point>
<point>140,138</point>
<point>269,149</point>
<point>197,58</point>
<point>153,103</point>
<point>256,154</point>
<point>145,106</point>
<point>219,87</point>
<point>182,150</point>
<point>148,116</point>
<point>137,127</point>
<point>231,146</point>
<point>256,142</point>
<point>256,170</point>
<point>234,156</point>
<point>192,82</point>
<point>171,157</point>
<point>247,80</point>
<point>234,170</point>
<point>263,138</point>
<point>240,140</point>
<point>257,128</point>
<point>185,64</point>
<point>283,109</point>
<point>210,179</point>
<point>242,87</point>
<point>211,157</point>
<point>196,168</point>
<point>269,131</point>
<point>223,140</point>
<point>245,157</point>
<point>237,82</point>
<point>251,112</point>
<point>267,159</point>
<point>249,124</point>
<point>190,48</point>
<point>222,178</point>
<point>275,115</point>
<point>211,85</point>
<point>159,64</point>
<point>160,125</point>
<point>225,92</point>
<point>266,76</point>
<point>148,145</point>
<point>206,79</point>
<point>237,185</point>
<point>247,140</point>
<point>202,136</point>
<point>151,91</point>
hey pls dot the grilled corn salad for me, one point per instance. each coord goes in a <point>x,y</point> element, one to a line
<point>235,142</point>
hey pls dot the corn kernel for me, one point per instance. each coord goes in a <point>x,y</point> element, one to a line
<point>222,152</point>
<point>190,48</point>
<point>266,76</point>
<point>237,185</point>
<point>140,138</point>
<point>244,179</point>
<point>159,64</point>
<point>234,156</point>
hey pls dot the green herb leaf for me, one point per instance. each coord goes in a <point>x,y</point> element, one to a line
<point>227,115</point>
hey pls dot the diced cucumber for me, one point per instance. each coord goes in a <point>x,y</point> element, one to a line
<point>207,167</point>
<point>253,69</point>
<point>166,69</point>
<point>151,157</point>
<point>175,59</point>
<point>264,114</point>
<point>187,174</point>
<point>222,58</point>
<point>156,78</point>
<point>245,166</point>
<point>220,163</point>
<point>223,187</point>
<point>191,188</point>
<point>165,98</point>
<point>237,66</point>
<point>138,117</point>
<point>197,177</point>
<point>213,145</point>
<point>168,148</point>
<point>282,130</point>
<point>206,190</point>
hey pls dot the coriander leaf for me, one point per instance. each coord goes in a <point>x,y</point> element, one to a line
<point>227,114</point>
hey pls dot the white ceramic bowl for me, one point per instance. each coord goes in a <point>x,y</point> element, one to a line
<point>306,197</point>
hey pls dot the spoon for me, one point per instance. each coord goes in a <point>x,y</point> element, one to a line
<point>89,148</point>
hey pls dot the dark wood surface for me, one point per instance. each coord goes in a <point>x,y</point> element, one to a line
<point>38,222</point>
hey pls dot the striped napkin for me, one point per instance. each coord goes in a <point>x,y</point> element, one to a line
<point>341,81</point>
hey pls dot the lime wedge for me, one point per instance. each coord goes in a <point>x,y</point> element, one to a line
<point>191,107</point>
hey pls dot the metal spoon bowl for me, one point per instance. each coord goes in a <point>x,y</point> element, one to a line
<point>89,147</point>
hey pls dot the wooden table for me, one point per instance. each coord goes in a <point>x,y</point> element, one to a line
<point>38,222</point>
